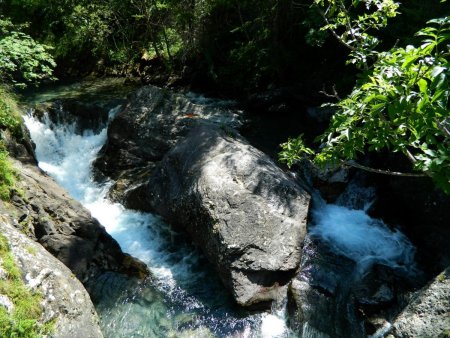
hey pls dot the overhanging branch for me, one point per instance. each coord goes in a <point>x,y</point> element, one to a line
<point>381,171</point>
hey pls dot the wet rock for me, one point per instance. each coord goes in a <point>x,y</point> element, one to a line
<point>428,314</point>
<point>317,296</point>
<point>378,288</point>
<point>65,301</point>
<point>84,115</point>
<point>149,125</point>
<point>331,296</point>
<point>47,213</point>
<point>246,214</point>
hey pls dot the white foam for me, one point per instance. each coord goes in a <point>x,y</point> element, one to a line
<point>67,157</point>
<point>273,326</point>
<point>354,234</point>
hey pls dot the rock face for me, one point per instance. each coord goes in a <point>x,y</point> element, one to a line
<point>313,304</point>
<point>246,214</point>
<point>65,301</point>
<point>47,213</point>
<point>149,125</point>
<point>428,314</point>
<point>188,163</point>
<point>66,229</point>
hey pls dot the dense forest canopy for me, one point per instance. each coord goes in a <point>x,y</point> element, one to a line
<point>399,100</point>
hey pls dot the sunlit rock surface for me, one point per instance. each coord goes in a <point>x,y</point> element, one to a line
<point>65,301</point>
<point>149,125</point>
<point>247,215</point>
<point>428,314</point>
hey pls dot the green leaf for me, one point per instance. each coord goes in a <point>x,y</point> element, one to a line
<point>423,85</point>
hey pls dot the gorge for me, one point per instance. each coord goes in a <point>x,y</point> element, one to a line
<point>347,255</point>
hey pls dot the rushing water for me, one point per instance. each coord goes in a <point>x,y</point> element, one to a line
<point>350,231</point>
<point>185,298</point>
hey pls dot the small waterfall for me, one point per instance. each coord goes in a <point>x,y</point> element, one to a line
<point>350,231</point>
<point>185,297</point>
<point>349,260</point>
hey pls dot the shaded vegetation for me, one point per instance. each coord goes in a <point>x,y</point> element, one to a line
<point>10,120</point>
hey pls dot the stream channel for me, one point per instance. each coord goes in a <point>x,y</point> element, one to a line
<point>184,296</point>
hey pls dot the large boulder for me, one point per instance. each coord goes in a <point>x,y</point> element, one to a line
<point>65,302</point>
<point>247,215</point>
<point>147,127</point>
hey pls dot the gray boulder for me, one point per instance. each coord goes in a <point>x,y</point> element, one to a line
<point>247,215</point>
<point>428,314</point>
<point>147,127</point>
<point>65,301</point>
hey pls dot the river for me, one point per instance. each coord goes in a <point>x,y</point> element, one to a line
<point>184,297</point>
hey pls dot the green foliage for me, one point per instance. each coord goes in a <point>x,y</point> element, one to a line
<point>293,150</point>
<point>7,178</point>
<point>22,59</point>
<point>400,106</point>
<point>9,119</point>
<point>23,322</point>
<point>9,113</point>
<point>352,23</point>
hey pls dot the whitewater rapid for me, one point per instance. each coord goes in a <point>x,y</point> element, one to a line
<point>187,297</point>
<point>188,288</point>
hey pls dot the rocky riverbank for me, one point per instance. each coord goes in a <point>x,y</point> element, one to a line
<point>42,219</point>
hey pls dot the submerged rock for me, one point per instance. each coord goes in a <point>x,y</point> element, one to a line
<point>65,301</point>
<point>332,297</point>
<point>247,215</point>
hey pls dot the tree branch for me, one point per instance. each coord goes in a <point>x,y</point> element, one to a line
<point>322,14</point>
<point>334,95</point>
<point>380,171</point>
